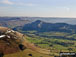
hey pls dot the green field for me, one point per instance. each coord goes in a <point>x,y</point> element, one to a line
<point>61,41</point>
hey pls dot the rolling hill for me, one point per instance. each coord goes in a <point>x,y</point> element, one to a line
<point>41,26</point>
<point>13,42</point>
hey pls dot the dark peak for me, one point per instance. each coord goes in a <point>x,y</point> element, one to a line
<point>38,21</point>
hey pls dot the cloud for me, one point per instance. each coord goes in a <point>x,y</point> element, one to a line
<point>66,9</point>
<point>25,4</point>
<point>7,2</point>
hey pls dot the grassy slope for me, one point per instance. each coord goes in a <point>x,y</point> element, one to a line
<point>25,54</point>
<point>31,48</point>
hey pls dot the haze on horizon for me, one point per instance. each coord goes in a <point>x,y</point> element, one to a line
<point>38,8</point>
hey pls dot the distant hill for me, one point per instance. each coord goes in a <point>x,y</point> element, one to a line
<point>41,26</point>
<point>12,22</point>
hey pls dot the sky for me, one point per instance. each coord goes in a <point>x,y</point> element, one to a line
<point>38,8</point>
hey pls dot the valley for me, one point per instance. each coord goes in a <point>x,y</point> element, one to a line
<point>41,39</point>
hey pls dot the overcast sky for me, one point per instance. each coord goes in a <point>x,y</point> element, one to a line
<point>38,8</point>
